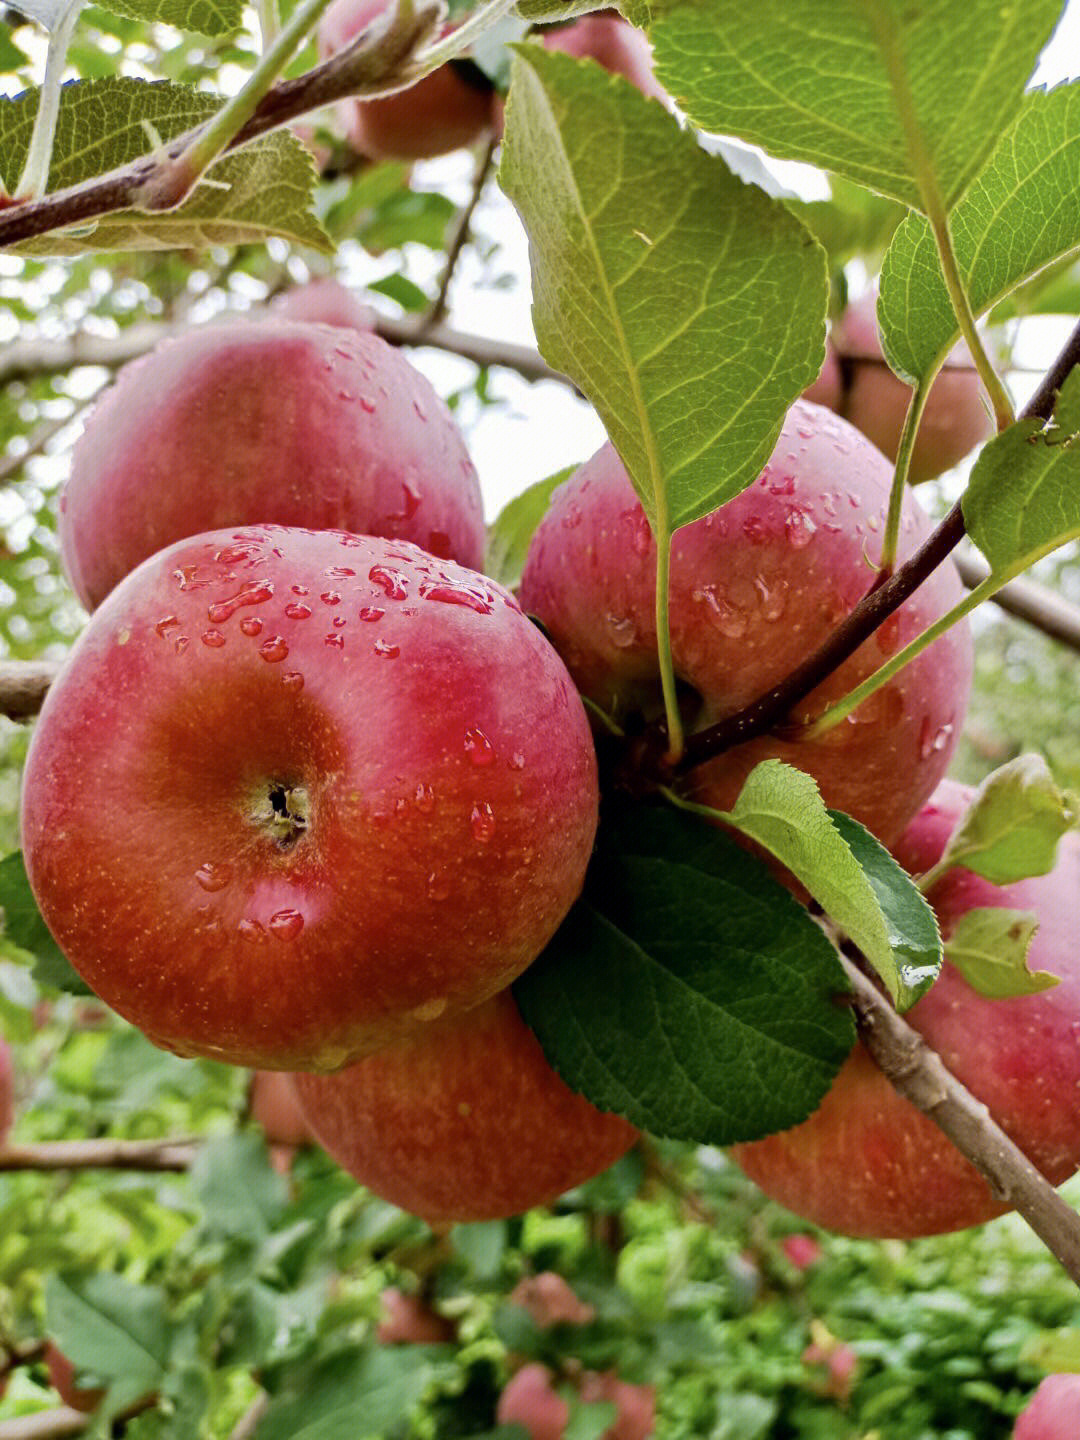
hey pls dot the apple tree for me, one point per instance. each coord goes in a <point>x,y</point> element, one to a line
<point>632,849</point>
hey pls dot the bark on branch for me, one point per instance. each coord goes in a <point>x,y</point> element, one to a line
<point>160,1155</point>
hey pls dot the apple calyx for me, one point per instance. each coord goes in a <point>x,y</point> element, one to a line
<point>281,813</point>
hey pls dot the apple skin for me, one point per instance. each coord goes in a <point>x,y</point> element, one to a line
<point>466,1121</point>
<point>62,1378</point>
<point>442,112</point>
<point>276,423</point>
<point>604,36</point>
<point>7,1092</point>
<point>755,587</point>
<point>867,1162</point>
<point>530,1400</point>
<point>409,1320</point>
<point>876,401</point>
<point>1052,1412</point>
<point>828,388</point>
<point>286,860</point>
<point>324,301</point>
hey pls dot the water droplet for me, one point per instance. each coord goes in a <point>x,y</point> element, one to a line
<point>340,572</point>
<point>410,500</point>
<point>293,680</point>
<point>478,747</point>
<point>348,542</point>
<point>285,924</point>
<point>449,593</point>
<point>338,622</point>
<point>854,500</point>
<point>367,404</point>
<point>640,535</point>
<point>391,582</point>
<point>256,592</point>
<point>885,708</point>
<point>185,578</point>
<point>438,886</point>
<point>773,598</point>
<point>181,644</point>
<point>252,932</point>
<point>386,650</point>
<point>330,597</point>
<point>370,613</point>
<point>169,622</point>
<point>300,590</point>
<point>235,554</point>
<point>572,516</point>
<point>335,640</point>
<point>251,625</point>
<point>621,630</point>
<point>728,618</point>
<point>213,935</point>
<point>430,1009</point>
<point>933,740</point>
<point>783,485</point>
<point>517,761</point>
<point>274,649</point>
<point>214,877</point>
<point>297,611</point>
<point>213,638</point>
<point>874,522</point>
<point>754,529</point>
<point>887,635</point>
<point>482,822</point>
<point>421,413</point>
<point>424,799</point>
<point>799,527</point>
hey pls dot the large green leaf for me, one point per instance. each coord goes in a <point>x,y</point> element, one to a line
<point>205,17</point>
<point>113,1328</point>
<point>906,99</point>
<point>687,306</point>
<point>1016,218</point>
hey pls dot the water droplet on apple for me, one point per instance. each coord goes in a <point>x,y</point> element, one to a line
<point>887,635</point>
<point>517,761</point>
<point>728,618</point>
<point>214,639</point>
<point>482,822</point>
<point>340,572</point>
<point>449,593</point>
<point>424,799</point>
<point>251,625</point>
<point>932,740</point>
<point>386,650</point>
<point>293,680</point>
<point>874,522</point>
<point>367,404</point>
<point>181,644</point>
<point>274,649</point>
<point>392,583</point>
<point>167,623</point>
<point>252,932</point>
<point>235,554</point>
<point>185,578</point>
<point>773,597</point>
<point>297,611</point>
<point>349,542</point>
<point>330,597</point>
<point>754,529</point>
<point>336,641</point>
<point>572,516</point>
<point>286,924</point>
<point>430,1009</point>
<point>421,413</point>
<point>255,592</point>
<point>783,485</point>
<point>621,630</point>
<point>478,747</point>
<point>438,886</point>
<point>299,589</point>
<point>214,877</point>
<point>799,527</point>
<point>339,622</point>
<point>370,613</point>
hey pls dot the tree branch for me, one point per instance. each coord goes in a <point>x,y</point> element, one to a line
<point>23,685</point>
<point>458,237</point>
<point>45,1425</point>
<point>1026,600</point>
<point>919,1074</point>
<point>151,1155</point>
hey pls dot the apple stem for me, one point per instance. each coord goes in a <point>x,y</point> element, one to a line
<point>35,175</point>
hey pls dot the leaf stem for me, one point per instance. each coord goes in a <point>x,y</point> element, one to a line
<point>34,180</point>
<point>676,740</point>
<point>891,542</point>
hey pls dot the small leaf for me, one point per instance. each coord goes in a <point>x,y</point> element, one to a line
<point>853,878</point>
<point>868,88</point>
<point>113,1328</point>
<point>24,926</point>
<point>689,991</point>
<point>1010,225</point>
<point>1012,827</point>
<point>351,1394</point>
<point>853,222</point>
<point>686,305</point>
<point>990,947</point>
<point>1023,498</point>
<point>404,291</point>
<point>512,529</point>
<point>240,1193</point>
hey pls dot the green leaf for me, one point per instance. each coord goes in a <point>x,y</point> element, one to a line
<point>402,217</point>
<point>689,991</point>
<point>1023,498</point>
<point>512,529</point>
<point>241,1194</point>
<point>268,186</point>
<point>402,290</point>
<point>350,1395</point>
<point>1013,825</point>
<point>903,98</point>
<point>117,1330</point>
<point>11,57</point>
<point>990,946</point>
<point>24,926</point>
<point>687,306</point>
<point>853,878</point>
<point>853,222</point>
<point>1009,225</point>
<point>204,17</point>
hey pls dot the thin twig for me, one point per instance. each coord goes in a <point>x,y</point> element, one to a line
<point>249,1421</point>
<point>458,238</point>
<point>23,686</point>
<point>154,1155</point>
<point>918,1073</point>
<point>45,1425</point>
<point>1026,600</point>
<point>36,441</point>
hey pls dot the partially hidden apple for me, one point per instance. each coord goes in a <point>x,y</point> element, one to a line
<point>278,423</point>
<point>876,401</point>
<point>1053,1412</point>
<point>867,1162</point>
<point>755,587</point>
<point>466,1121</point>
<point>276,1110</point>
<point>635,1405</point>
<point>408,1319</point>
<point>548,1300</point>
<point>446,110</point>
<point>63,1379</point>
<point>297,793</point>
<point>604,36</point>
<point>324,301</point>
<point>530,1399</point>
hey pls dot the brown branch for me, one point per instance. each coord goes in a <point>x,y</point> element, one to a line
<point>248,1423</point>
<point>23,685</point>
<point>36,442</point>
<point>919,1074</point>
<point>46,1425</point>
<point>169,1155</point>
<point>458,237</point>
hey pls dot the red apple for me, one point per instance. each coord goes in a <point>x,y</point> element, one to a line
<point>828,388</point>
<point>296,793</point>
<point>802,1250</point>
<point>549,1300</point>
<point>531,1401</point>
<point>867,1162</point>
<point>276,1109</point>
<point>444,111</point>
<point>604,36</point>
<point>1053,1412</point>
<point>409,1320</point>
<point>466,1121</point>
<point>324,301</point>
<point>277,423</point>
<point>754,588</point>
<point>62,1378</point>
<point>7,1091</point>
<point>635,1405</point>
<point>954,421</point>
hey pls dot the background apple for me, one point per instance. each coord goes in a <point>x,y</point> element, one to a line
<point>297,792</point>
<point>530,1400</point>
<point>1053,1412</point>
<point>548,1300</point>
<point>635,1405</point>
<point>604,36</point>
<point>466,1121</point>
<point>901,1176</point>
<point>324,301</point>
<point>409,1320</point>
<point>273,1105</point>
<point>828,388</point>
<point>875,400</point>
<point>754,588</point>
<point>449,108</point>
<point>276,423</point>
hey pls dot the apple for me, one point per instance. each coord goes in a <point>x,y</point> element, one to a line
<point>62,1375</point>
<point>7,1091</point>
<point>867,1162</point>
<point>276,423</point>
<point>297,793</point>
<point>548,1300</point>
<point>954,421</point>
<point>324,301</point>
<point>1053,1412</point>
<point>464,1121</point>
<point>409,1320</point>
<point>828,388</point>
<point>755,587</point>
<point>274,1107</point>
<point>802,1250</point>
<point>604,36</point>
<point>635,1405</point>
<point>448,109</point>
<point>531,1401</point>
